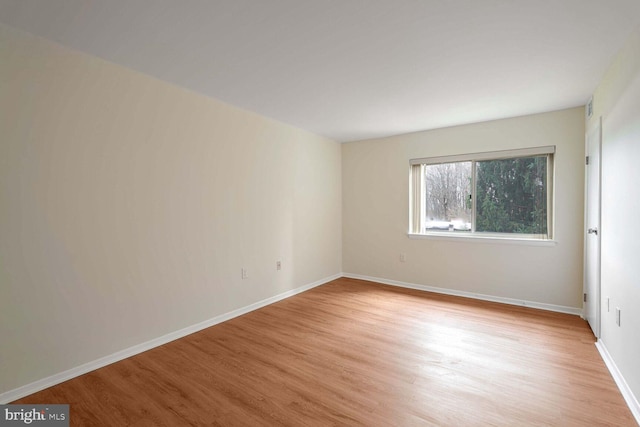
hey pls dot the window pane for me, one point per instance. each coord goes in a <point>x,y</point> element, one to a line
<point>512,195</point>
<point>448,201</point>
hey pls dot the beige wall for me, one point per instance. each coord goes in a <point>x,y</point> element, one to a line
<point>129,206</point>
<point>617,101</point>
<point>376,213</point>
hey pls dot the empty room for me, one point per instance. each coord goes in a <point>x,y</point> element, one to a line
<point>315,213</point>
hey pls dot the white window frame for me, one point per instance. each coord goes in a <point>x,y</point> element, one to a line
<point>417,196</point>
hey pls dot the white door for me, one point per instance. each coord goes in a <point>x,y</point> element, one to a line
<point>592,230</point>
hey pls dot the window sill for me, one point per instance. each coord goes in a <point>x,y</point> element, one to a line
<point>483,239</point>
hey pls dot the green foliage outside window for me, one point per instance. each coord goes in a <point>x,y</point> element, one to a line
<point>512,195</point>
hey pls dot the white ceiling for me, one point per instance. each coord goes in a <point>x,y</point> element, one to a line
<point>353,69</point>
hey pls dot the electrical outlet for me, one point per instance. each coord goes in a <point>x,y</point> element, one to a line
<point>278,265</point>
<point>245,273</point>
<point>403,257</point>
<point>618,316</point>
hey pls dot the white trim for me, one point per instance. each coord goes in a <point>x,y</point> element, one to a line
<point>454,292</point>
<point>11,395</point>
<point>475,238</point>
<point>628,395</point>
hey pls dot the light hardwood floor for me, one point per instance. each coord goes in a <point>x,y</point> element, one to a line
<point>358,353</point>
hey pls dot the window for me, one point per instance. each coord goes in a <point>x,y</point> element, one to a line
<point>496,194</point>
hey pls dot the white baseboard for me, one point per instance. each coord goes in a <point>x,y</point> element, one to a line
<point>628,395</point>
<point>11,395</point>
<point>511,301</point>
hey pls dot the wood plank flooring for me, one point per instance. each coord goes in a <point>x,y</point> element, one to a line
<point>354,353</point>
